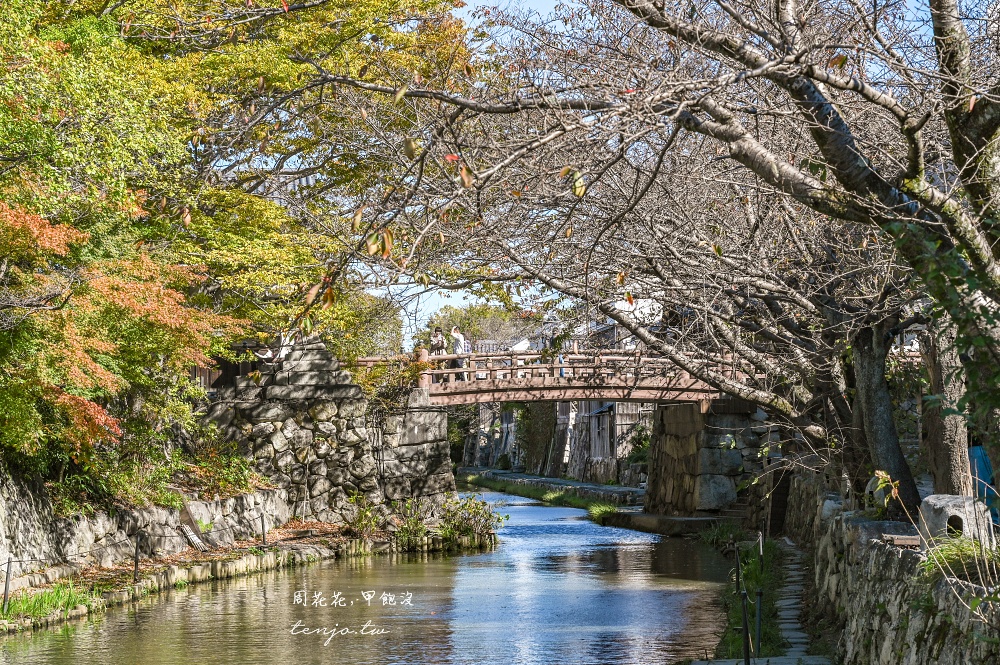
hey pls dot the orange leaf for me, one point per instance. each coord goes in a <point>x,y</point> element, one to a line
<point>284,4</point>
<point>311,296</point>
<point>451,158</point>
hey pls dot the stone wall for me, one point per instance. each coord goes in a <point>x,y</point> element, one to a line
<point>30,530</point>
<point>303,421</point>
<point>696,459</point>
<point>415,453</point>
<point>890,614</point>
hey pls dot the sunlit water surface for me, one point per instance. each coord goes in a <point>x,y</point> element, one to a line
<point>559,589</point>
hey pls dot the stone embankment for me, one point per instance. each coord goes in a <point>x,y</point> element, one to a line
<point>890,611</point>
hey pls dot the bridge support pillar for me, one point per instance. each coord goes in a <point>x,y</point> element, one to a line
<point>699,454</point>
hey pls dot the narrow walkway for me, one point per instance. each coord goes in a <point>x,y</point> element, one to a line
<point>617,494</point>
<point>789,607</point>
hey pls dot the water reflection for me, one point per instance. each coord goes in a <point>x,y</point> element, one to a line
<point>560,589</point>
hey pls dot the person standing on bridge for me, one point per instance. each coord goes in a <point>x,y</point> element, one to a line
<point>458,348</point>
<point>438,344</point>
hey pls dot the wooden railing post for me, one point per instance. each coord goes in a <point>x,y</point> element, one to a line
<point>425,377</point>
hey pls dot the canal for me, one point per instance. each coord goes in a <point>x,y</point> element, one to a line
<point>558,589</point>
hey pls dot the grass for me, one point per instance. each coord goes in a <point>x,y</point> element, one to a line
<point>554,497</point>
<point>599,511</point>
<point>963,558</point>
<point>723,532</point>
<point>60,597</point>
<point>756,574</point>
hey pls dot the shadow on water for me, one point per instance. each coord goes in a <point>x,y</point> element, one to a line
<point>559,589</point>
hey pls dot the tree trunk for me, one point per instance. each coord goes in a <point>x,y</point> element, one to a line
<point>857,452</point>
<point>947,435</point>
<point>876,413</point>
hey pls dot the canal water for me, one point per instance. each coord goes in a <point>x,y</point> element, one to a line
<point>559,589</point>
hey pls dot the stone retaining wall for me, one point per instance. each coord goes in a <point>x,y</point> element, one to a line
<point>304,423</point>
<point>890,614</point>
<point>303,420</point>
<point>30,530</point>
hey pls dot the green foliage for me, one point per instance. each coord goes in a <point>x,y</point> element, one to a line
<point>599,511</point>
<point>146,258</point>
<point>468,515</point>
<point>639,454</point>
<point>365,519</point>
<point>722,532</point>
<point>37,603</point>
<point>411,515</point>
<point>963,558</point>
<point>756,573</point>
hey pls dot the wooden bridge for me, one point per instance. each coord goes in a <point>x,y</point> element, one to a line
<point>515,377</point>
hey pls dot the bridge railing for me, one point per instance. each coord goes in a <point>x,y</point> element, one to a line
<point>594,368</point>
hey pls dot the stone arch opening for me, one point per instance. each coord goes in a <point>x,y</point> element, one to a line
<point>955,526</point>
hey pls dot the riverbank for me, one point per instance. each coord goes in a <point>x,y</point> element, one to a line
<point>93,589</point>
<point>556,491</point>
<point>608,505</point>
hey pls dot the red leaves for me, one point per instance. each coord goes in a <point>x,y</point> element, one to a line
<point>284,5</point>
<point>451,158</point>
<point>89,423</point>
<point>22,231</point>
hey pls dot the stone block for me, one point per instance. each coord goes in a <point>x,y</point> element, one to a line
<point>301,393</point>
<point>353,405</point>
<point>284,460</point>
<point>397,489</point>
<point>363,466</point>
<point>279,441</point>
<point>943,515</point>
<point>322,448</point>
<point>337,476</point>
<point>263,450</point>
<point>289,427</point>
<point>302,438</point>
<point>311,378</point>
<point>343,457</point>
<point>714,492</point>
<point>719,461</point>
<point>312,365</point>
<point>317,468</point>
<point>326,429</point>
<point>424,427</point>
<point>436,484</point>
<point>261,430</point>
<point>323,411</point>
<point>269,412</point>
<point>318,485</point>
<point>726,441</point>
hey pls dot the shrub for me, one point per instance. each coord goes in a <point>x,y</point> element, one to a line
<point>366,519</point>
<point>640,446</point>
<point>411,515</point>
<point>469,516</point>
